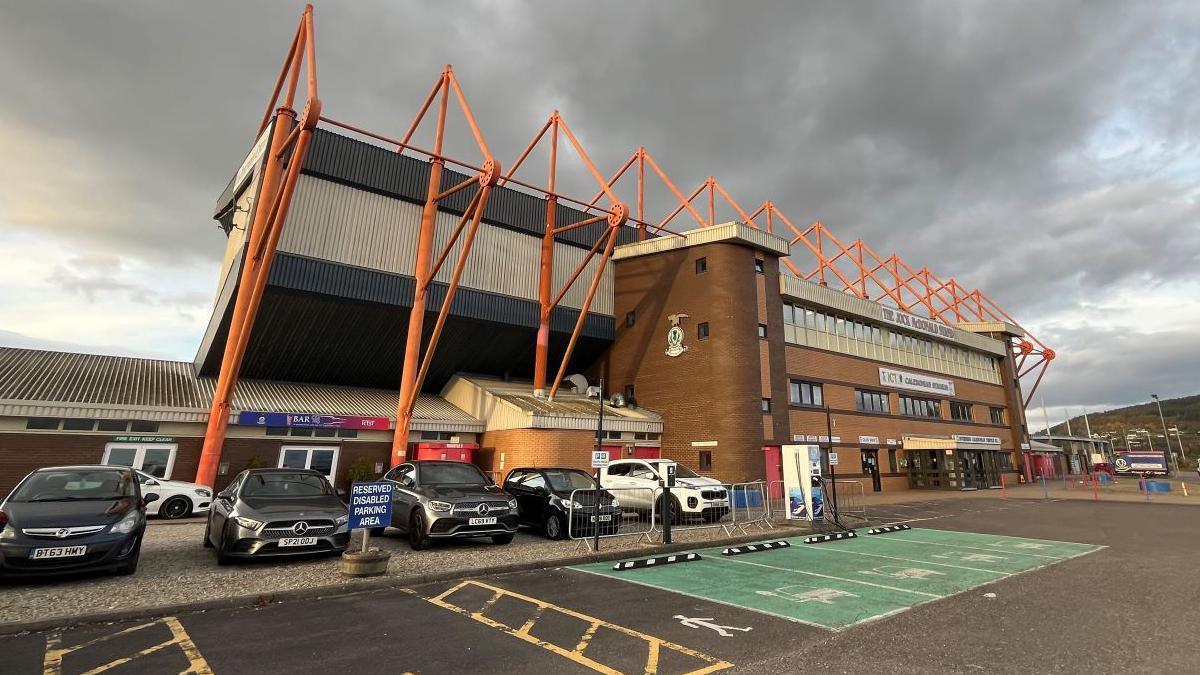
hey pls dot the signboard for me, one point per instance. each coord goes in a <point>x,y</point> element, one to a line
<point>892,441</point>
<point>917,323</point>
<point>833,459</point>
<point>927,384</point>
<point>868,440</point>
<point>371,504</point>
<point>1140,462</point>
<point>982,440</point>
<point>801,466</point>
<point>144,439</point>
<point>251,418</point>
<point>1024,446</point>
<point>599,459</point>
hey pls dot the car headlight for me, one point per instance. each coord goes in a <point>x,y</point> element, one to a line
<point>248,523</point>
<point>342,520</point>
<point>204,492</point>
<point>440,507</point>
<point>512,503</point>
<point>126,524</point>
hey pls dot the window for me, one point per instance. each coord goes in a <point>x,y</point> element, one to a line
<point>325,433</point>
<point>300,431</point>
<point>156,459</point>
<point>435,435</point>
<point>78,424</point>
<point>805,393</point>
<point>701,265</point>
<point>892,460</point>
<point>702,331</point>
<point>871,401</point>
<point>920,407</point>
<point>762,330</point>
<point>277,431</point>
<point>766,405</point>
<point>112,425</point>
<point>705,460</point>
<point>347,433</point>
<point>144,427</point>
<point>42,423</point>
<point>323,459</point>
<point>759,266</point>
<point>630,318</point>
<point>612,435</point>
<point>629,393</point>
<point>960,411</point>
<point>997,415</point>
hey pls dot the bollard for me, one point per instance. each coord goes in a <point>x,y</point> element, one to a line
<point>1003,487</point>
<point>1095,487</point>
<point>1045,492</point>
<point>1183,486</point>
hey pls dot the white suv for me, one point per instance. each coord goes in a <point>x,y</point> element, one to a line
<point>694,495</point>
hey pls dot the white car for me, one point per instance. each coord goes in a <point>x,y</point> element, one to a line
<point>176,498</point>
<point>694,495</point>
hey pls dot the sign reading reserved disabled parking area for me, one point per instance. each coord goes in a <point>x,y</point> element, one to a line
<point>371,505</point>
<point>842,583</point>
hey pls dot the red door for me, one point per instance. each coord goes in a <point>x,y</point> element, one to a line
<point>647,452</point>
<point>773,455</point>
<point>614,451</point>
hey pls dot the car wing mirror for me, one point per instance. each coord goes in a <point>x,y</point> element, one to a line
<point>541,491</point>
<point>151,497</point>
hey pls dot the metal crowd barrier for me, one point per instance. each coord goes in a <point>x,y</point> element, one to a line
<point>634,516</point>
<point>849,499</point>
<point>751,506</point>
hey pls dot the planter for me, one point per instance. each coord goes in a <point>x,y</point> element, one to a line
<point>370,563</point>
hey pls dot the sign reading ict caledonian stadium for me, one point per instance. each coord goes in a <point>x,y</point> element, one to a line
<point>916,323</point>
<point>914,382</point>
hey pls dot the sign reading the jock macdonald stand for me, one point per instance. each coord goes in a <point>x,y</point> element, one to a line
<point>917,323</point>
<point>371,505</point>
<point>926,384</point>
<point>251,418</point>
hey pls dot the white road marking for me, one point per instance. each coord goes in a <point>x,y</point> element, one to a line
<point>828,576</point>
<point>907,540</point>
<point>923,562</point>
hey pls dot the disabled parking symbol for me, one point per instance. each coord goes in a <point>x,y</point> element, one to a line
<point>970,557</point>
<point>1027,545</point>
<point>901,572</point>
<point>825,596</point>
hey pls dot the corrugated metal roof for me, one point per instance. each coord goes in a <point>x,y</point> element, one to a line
<point>97,382</point>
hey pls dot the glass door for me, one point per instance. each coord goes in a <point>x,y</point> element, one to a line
<point>156,459</point>
<point>317,458</point>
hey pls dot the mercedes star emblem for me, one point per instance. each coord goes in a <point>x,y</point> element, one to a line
<point>300,528</point>
<point>483,509</point>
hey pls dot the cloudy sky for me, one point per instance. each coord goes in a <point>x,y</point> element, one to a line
<point>1046,153</point>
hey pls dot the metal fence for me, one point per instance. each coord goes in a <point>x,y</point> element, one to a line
<point>850,501</point>
<point>751,506</point>
<point>630,513</point>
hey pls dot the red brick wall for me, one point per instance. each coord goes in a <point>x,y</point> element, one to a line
<point>535,447</point>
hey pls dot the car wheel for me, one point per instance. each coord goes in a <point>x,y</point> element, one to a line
<point>502,538</point>
<point>554,527</point>
<point>378,531</point>
<point>175,508</point>
<point>417,538</point>
<point>208,535</point>
<point>223,558</point>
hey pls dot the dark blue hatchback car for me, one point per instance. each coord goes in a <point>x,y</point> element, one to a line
<point>68,519</point>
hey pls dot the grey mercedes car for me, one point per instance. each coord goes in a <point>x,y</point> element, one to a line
<point>449,500</point>
<point>276,512</point>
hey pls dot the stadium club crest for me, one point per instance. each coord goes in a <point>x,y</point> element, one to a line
<point>675,345</point>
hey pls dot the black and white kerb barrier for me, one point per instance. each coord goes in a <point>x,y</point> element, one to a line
<point>822,538</point>
<point>888,528</point>
<point>755,548</point>
<point>656,561</point>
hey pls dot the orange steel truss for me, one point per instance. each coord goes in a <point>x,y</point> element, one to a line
<point>855,267</point>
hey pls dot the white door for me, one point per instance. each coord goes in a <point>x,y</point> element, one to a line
<point>156,459</point>
<point>321,458</point>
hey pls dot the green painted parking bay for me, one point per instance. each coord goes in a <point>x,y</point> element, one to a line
<point>838,584</point>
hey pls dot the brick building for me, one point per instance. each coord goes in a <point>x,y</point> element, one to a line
<point>710,354</point>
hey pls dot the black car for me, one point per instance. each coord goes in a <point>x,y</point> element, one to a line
<point>67,519</point>
<point>449,500</point>
<point>545,498</point>
<point>277,512</point>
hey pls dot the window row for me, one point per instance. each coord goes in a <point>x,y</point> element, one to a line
<point>313,432</point>
<point>920,407</point>
<point>825,330</point>
<point>87,424</point>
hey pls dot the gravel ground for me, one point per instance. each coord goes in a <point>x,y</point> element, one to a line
<point>176,569</point>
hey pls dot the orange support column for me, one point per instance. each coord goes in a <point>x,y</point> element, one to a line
<point>541,353</point>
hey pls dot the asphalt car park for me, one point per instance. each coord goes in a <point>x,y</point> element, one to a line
<point>1075,614</point>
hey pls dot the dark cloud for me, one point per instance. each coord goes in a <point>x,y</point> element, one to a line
<point>1043,152</point>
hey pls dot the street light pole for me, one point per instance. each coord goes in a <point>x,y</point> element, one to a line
<point>1166,434</point>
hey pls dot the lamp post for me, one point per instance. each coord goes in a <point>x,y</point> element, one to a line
<point>1166,435</point>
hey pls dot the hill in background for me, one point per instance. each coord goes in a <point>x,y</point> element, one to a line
<point>1135,420</point>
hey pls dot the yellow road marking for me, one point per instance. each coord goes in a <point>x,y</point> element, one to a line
<point>654,645</point>
<point>197,665</point>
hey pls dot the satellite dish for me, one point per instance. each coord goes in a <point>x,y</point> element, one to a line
<point>578,381</point>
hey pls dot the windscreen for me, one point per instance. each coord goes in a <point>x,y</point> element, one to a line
<point>70,485</point>
<point>565,481</point>
<point>681,471</point>
<point>286,485</point>
<point>452,473</point>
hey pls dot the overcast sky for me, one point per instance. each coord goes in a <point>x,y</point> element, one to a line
<point>1045,153</point>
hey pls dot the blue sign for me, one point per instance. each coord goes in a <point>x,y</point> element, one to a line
<point>371,504</point>
<point>253,418</point>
